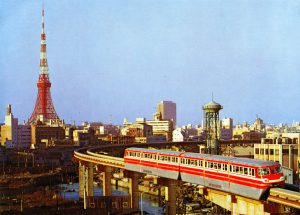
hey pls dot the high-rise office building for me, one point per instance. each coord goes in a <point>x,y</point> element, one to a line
<point>167,111</point>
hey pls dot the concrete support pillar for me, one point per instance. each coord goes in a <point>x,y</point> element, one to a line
<point>134,189</point>
<point>81,179</point>
<point>172,185</point>
<point>90,180</point>
<point>107,181</point>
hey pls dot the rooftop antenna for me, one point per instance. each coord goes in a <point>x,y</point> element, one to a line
<point>110,119</point>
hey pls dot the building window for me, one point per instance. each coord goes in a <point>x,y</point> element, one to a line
<point>285,151</point>
<point>261,151</point>
<point>257,151</point>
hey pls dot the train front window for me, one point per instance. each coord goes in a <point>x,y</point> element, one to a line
<point>278,169</point>
<point>263,171</point>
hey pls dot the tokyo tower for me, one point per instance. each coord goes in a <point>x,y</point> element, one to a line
<point>44,109</point>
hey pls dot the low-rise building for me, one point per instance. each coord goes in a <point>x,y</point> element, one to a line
<point>40,131</point>
<point>282,150</point>
<point>162,127</point>
<point>179,135</point>
<point>14,135</point>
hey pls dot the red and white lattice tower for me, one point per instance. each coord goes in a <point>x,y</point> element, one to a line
<point>44,109</point>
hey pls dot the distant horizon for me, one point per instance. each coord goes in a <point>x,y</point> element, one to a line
<point>114,60</point>
<point>178,126</point>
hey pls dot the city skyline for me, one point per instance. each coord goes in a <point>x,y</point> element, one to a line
<point>119,59</point>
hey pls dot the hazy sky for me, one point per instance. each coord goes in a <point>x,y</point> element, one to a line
<point>120,58</point>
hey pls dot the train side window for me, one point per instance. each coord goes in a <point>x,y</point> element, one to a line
<point>246,171</point>
<point>225,167</point>
<point>220,166</point>
<point>241,170</point>
<point>278,169</point>
<point>252,172</point>
<point>233,168</point>
<point>176,160</point>
<point>230,168</point>
<point>215,166</point>
<point>138,154</point>
<point>201,163</point>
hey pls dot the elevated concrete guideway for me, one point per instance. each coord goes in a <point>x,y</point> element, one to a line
<point>88,157</point>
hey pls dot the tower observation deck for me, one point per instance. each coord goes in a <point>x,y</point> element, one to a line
<point>44,108</point>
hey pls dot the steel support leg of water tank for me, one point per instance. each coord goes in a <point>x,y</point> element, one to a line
<point>107,181</point>
<point>81,179</point>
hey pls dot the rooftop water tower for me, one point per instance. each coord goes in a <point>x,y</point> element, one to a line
<point>212,126</point>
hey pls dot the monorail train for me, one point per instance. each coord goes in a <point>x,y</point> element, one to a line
<point>242,176</point>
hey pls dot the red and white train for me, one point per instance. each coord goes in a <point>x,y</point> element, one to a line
<point>242,176</point>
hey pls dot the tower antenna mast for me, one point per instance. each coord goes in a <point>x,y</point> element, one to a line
<point>44,108</point>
